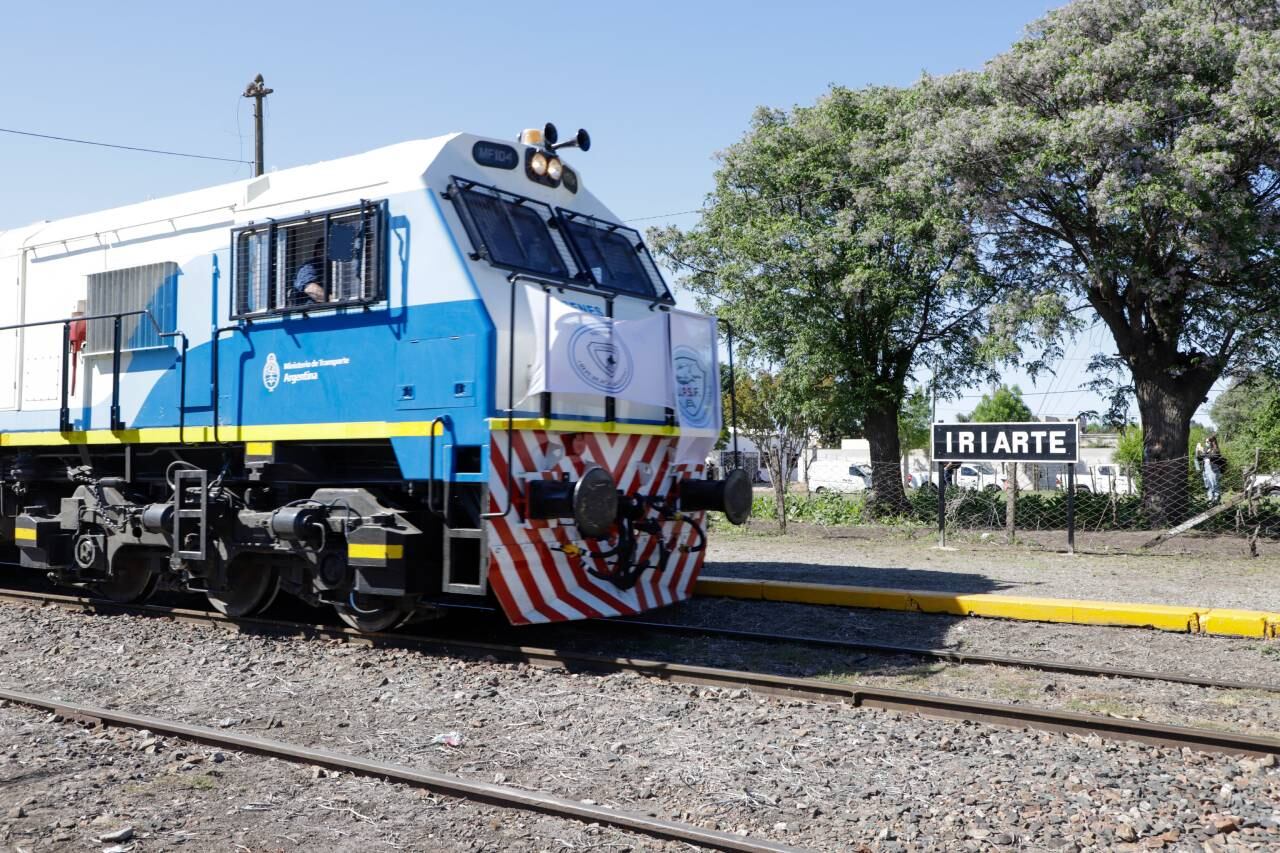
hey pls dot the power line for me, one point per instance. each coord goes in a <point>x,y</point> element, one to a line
<point>121,147</point>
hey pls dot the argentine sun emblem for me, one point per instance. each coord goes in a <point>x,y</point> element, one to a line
<point>599,358</point>
<point>271,372</point>
<point>693,387</point>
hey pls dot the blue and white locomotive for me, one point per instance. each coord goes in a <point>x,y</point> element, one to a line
<point>432,372</point>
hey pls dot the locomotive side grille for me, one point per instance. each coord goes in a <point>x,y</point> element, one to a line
<point>153,287</point>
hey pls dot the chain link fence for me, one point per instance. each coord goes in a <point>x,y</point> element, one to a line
<point>1163,506</point>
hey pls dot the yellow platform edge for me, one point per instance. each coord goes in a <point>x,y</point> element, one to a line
<point>1163,617</point>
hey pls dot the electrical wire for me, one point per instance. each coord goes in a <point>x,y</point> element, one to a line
<point>121,147</point>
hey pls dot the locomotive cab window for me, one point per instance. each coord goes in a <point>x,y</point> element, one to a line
<point>321,260</point>
<point>510,230</point>
<point>614,255</point>
<point>152,288</point>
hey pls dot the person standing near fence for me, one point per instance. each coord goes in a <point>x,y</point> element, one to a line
<point>1211,462</point>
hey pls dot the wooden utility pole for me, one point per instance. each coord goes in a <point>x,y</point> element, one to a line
<point>257,90</point>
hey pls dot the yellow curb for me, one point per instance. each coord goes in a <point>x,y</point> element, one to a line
<point>1239,623</point>
<point>1164,617</point>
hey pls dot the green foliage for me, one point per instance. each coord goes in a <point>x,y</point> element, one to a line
<point>771,409</point>
<point>1124,154</point>
<point>832,254</point>
<point>1004,405</point>
<point>827,509</point>
<point>1248,418</point>
<point>913,421</point>
<point>1128,452</point>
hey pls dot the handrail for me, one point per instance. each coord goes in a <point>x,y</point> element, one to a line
<point>159,331</point>
<point>117,423</point>
<point>443,421</point>
<point>511,394</point>
<point>214,369</point>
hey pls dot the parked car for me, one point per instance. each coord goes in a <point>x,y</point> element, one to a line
<point>839,475</point>
<point>973,475</point>
<point>1264,484</point>
<point>1100,480</point>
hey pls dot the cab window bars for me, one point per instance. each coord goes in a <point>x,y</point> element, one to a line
<point>305,263</point>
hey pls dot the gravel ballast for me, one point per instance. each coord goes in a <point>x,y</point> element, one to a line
<point>65,787</point>
<point>818,775</point>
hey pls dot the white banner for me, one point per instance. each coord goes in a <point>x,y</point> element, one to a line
<point>578,352</point>
<point>583,353</point>
<point>695,385</point>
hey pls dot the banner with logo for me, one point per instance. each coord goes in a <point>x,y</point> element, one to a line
<point>578,352</point>
<point>695,385</point>
<point>583,353</point>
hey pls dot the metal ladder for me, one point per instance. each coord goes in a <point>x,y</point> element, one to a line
<point>453,534</point>
<point>190,515</point>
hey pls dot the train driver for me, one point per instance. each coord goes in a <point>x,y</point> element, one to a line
<point>308,284</point>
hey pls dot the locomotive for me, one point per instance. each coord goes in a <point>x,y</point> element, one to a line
<point>430,375</point>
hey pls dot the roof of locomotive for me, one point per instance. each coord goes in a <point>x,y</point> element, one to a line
<point>390,167</point>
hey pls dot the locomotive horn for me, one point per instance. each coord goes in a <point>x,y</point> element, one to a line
<point>592,502</point>
<point>732,495</point>
<point>581,139</point>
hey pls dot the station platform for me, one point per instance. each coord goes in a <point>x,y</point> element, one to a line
<point>1187,619</point>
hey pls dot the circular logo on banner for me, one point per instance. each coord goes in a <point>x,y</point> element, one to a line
<point>271,372</point>
<point>600,359</point>
<point>693,386</point>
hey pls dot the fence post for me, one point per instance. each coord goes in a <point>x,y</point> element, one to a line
<point>1071,508</point>
<point>942,506</point>
<point>1011,504</point>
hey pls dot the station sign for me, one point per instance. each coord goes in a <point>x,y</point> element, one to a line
<point>1008,442</point>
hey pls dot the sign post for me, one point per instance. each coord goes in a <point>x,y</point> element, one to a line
<point>1071,509</point>
<point>942,506</point>
<point>1012,443</point>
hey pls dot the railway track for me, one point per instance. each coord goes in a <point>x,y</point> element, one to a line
<point>940,655</point>
<point>440,783</point>
<point>928,704</point>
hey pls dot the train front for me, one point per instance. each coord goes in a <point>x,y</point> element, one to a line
<point>606,396</point>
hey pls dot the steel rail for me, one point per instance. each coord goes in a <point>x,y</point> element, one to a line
<point>442,783</point>
<point>943,655</point>
<point>928,704</point>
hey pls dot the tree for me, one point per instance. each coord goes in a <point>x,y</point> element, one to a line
<point>834,257</point>
<point>914,421</point>
<point>1125,152</point>
<point>1247,416</point>
<point>1236,409</point>
<point>770,415</point>
<point>1004,405</point>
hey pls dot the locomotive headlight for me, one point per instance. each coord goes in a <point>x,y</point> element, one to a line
<point>538,164</point>
<point>555,168</point>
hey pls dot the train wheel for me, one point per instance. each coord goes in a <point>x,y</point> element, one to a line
<point>250,589</point>
<point>131,581</point>
<point>371,614</point>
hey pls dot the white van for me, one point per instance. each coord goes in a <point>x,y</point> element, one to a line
<point>839,475</point>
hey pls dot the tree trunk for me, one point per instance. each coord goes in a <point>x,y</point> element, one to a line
<point>1166,409</point>
<point>887,496</point>
<point>779,492</point>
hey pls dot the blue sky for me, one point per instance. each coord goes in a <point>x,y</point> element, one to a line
<point>661,86</point>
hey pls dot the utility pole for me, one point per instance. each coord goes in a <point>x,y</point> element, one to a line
<point>257,90</point>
